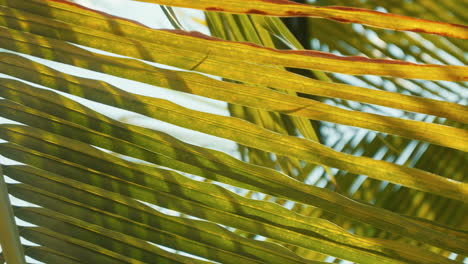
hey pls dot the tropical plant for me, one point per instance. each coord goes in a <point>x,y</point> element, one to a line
<point>352,152</point>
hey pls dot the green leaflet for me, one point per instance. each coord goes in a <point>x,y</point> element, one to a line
<point>296,198</point>
<point>338,13</point>
<point>9,237</point>
<point>251,135</point>
<point>127,216</point>
<point>260,97</point>
<point>275,221</point>
<point>229,67</point>
<point>50,256</point>
<point>299,191</point>
<point>243,29</point>
<point>209,48</point>
<point>104,237</point>
<point>285,230</point>
<point>75,248</point>
<point>62,186</point>
<point>37,98</point>
<point>350,40</point>
<point>135,250</point>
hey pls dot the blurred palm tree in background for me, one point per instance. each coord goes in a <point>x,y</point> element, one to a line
<point>350,124</point>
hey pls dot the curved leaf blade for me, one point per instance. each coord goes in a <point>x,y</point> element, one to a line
<point>9,238</point>
<point>201,49</point>
<point>301,192</point>
<point>287,8</point>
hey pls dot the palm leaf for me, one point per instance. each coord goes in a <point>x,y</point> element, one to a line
<point>103,187</point>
